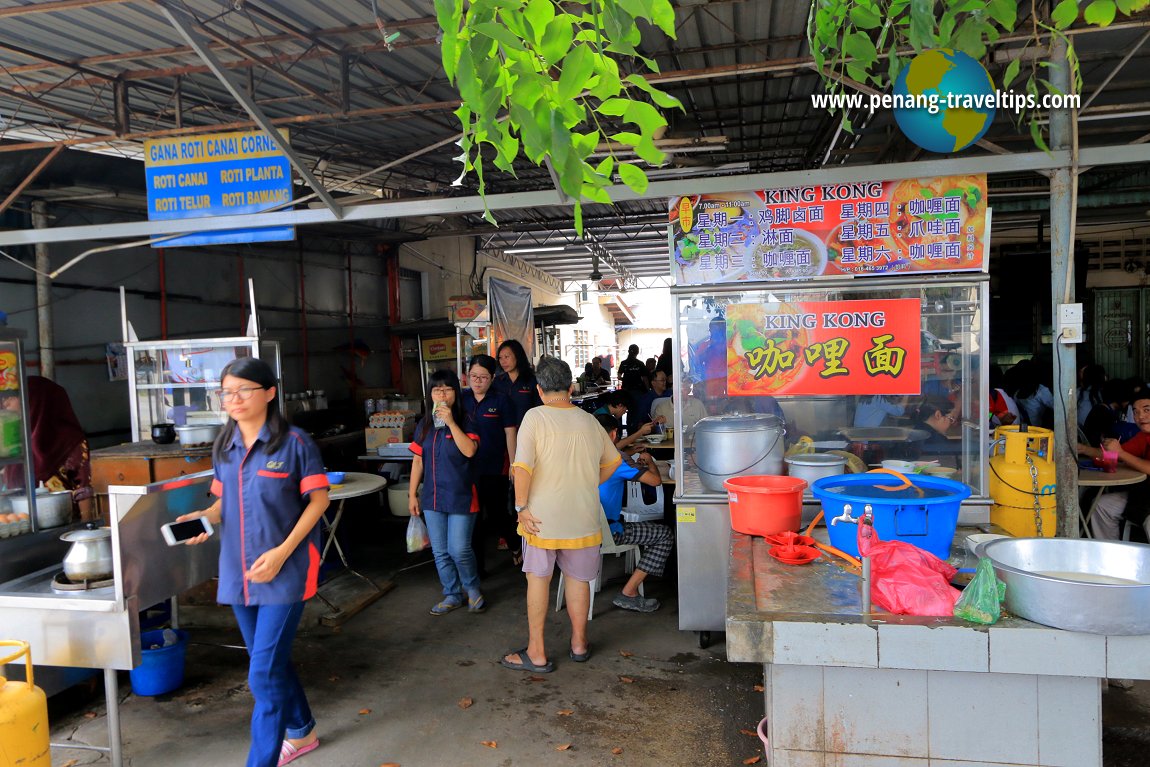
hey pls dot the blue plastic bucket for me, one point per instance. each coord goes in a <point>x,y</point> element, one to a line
<point>161,669</point>
<point>925,515</point>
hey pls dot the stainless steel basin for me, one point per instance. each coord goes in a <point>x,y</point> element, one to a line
<point>1098,587</point>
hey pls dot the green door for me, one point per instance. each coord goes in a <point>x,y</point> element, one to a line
<point>1120,332</point>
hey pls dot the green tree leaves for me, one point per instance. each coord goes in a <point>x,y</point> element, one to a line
<point>540,80</point>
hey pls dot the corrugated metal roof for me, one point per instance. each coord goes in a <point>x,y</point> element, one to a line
<point>61,65</point>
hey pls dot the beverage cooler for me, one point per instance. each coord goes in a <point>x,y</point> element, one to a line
<point>852,318</point>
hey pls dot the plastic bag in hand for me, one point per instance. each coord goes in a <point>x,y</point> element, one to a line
<point>417,539</point>
<point>905,579</point>
<point>981,600</point>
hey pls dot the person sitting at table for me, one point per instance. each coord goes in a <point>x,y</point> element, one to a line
<point>1106,412</point>
<point>617,404</point>
<point>659,389</point>
<point>693,409</point>
<point>1133,505</point>
<point>654,539</point>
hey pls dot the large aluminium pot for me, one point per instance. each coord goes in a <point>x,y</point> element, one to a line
<point>90,556</point>
<point>1098,587</point>
<point>735,445</point>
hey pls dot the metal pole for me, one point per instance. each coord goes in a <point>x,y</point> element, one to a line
<point>112,702</point>
<point>44,294</point>
<point>1063,183</point>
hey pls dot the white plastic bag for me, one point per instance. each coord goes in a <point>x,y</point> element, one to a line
<point>417,539</point>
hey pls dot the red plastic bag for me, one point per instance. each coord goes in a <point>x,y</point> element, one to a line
<point>906,580</point>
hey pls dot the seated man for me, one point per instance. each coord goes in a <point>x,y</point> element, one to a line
<point>1134,504</point>
<point>693,410</point>
<point>653,538</point>
<point>616,404</point>
<point>1102,422</point>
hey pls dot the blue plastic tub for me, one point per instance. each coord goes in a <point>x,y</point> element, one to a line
<point>925,515</point>
<point>161,670</point>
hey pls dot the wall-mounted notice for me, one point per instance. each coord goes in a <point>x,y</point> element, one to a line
<point>217,174</point>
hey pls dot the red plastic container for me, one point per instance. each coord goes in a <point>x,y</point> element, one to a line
<point>765,504</point>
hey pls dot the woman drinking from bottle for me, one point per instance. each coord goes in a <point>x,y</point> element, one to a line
<point>272,490</point>
<point>443,449</point>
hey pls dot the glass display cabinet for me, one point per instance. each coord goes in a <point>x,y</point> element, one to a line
<point>17,474</point>
<point>176,381</point>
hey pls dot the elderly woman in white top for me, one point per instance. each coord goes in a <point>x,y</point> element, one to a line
<point>561,457</point>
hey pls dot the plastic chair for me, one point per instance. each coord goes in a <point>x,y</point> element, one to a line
<point>631,559</point>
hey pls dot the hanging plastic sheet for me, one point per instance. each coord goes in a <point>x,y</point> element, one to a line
<point>509,307</point>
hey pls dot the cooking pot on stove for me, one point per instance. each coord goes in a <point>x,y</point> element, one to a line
<point>734,445</point>
<point>90,556</point>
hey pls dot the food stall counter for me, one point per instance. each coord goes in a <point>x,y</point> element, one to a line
<point>919,690</point>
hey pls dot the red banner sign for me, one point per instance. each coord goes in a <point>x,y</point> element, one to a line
<point>858,229</point>
<point>824,347</point>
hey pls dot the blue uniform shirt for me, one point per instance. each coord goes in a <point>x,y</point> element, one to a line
<point>521,392</point>
<point>611,493</point>
<point>263,495</point>
<point>448,475</point>
<point>490,418</point>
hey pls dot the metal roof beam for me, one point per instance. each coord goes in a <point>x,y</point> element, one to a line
<point>201,47</point>
<point>451,206</point>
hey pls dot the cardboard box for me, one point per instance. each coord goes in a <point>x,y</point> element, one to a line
<point>379,437</point>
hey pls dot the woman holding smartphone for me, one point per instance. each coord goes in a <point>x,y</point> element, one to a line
<point>272,491</point>
<point>443,448</point>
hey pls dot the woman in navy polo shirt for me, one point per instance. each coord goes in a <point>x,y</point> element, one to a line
<point>272,491</point>
<point>517,381</point>
<point>492,416</point>
<point>443,451</point>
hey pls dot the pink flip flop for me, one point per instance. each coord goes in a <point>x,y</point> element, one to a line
<point>289,753</point>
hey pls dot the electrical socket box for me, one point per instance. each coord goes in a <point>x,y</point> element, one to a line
<point>1070,324</point>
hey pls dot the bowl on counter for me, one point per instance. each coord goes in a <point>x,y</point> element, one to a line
<point>336,477</point>
<point>200,435</point>
<point>654,439</point>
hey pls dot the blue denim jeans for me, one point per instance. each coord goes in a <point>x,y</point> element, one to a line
<point>450,536</point>
<point>281,709</point>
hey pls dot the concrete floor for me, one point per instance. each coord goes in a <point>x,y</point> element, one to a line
<point>386,689</point>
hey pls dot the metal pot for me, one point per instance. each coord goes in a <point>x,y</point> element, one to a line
<point>52,509</point>
<point>199,435</point>
<point>90,556</point>
<point>815,466</point>
<point>1099,587</point>
<point>163,433</point>
<point>733,445</point>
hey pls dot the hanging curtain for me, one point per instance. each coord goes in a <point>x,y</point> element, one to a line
<point>509,308</point>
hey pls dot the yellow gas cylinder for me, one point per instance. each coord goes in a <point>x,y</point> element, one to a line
<point>1022,473</point>
<point>23,716</point>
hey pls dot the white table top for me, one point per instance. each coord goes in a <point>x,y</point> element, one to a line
<point>355,484</point>
<point>1123,476</point>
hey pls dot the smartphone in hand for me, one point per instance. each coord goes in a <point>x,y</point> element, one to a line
<point>175,533</point>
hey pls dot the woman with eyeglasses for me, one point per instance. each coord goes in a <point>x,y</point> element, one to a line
<point>444,444</point>
<point>493,418</point>
<point>936,416</point>
<point>517,381</point>
<point>271,490</point>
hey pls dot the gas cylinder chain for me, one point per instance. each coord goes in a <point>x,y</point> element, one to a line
<point>1037,500</point>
